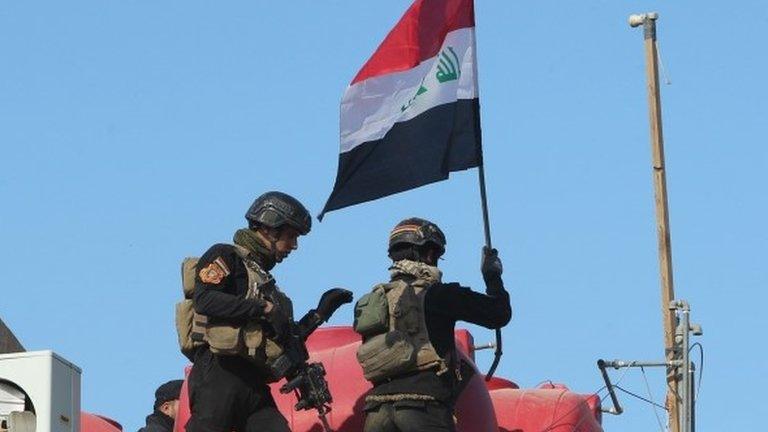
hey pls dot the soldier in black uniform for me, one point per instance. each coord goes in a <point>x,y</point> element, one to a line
<point>165,409</point>
<point>423,400</point>
<point>228,392</point>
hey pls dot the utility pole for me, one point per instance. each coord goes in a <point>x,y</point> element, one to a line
<point>648,21</point>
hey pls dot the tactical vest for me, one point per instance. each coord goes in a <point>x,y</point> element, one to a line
<point>256,340</point>
<point>392,322</point>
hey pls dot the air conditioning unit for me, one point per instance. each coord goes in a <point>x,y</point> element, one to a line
<point>39,392</point>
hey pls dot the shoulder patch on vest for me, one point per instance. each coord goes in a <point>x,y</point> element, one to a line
<point>214,272</point>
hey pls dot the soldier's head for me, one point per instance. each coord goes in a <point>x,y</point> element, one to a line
<point>167,398</point>
<point>278,220</point>
<point>416,239</point>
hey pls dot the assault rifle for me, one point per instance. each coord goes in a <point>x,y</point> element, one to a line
<point>306,380</point>
<point>311,390</point>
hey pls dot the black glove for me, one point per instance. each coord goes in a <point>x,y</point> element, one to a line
<point>278,318</point>
<point>491,264</point>
<point>491,268</point>
<point>332,300</point>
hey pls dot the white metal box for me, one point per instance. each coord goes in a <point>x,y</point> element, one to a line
<point>51,383</point>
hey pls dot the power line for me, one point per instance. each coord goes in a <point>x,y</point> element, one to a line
<point>640,397</point>
<point>650,396</point>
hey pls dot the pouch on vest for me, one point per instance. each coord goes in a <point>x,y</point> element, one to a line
<point>188,272</point>
<point>190,326</point>
<point>386,355</point>
<point>185,315</point>
<point>224,339</point>
<point>260,349</point>
<point>372,314</point>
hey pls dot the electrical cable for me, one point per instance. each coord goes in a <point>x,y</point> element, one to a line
<point>650,396</point>
<point>667,81</point>
<point>701,365</point>
<point>635,395</point>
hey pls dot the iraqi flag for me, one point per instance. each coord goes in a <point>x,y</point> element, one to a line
<point>411,115</point>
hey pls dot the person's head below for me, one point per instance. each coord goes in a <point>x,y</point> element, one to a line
<point>416,239</point>
<point>167,398</point>
<point>278,219</point>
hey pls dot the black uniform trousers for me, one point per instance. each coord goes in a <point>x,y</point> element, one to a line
<point>409,416</point>
<point>227,393</point>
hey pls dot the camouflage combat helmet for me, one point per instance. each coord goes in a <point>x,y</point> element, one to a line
<point>417,231</point>
<point>275,209</point>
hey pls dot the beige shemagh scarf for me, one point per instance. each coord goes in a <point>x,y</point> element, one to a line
<point>425,274</point>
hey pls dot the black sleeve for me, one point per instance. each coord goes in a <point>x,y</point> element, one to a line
<point>462,304</point>
<point>309,323</point>
<point>493,285</point>
<point>215,297</point>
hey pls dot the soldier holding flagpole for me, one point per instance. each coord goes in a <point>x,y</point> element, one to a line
<point>409,352</point>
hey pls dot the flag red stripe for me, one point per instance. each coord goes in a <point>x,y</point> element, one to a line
<point>418,36</point>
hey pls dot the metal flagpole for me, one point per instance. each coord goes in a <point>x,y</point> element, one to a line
<point>484,203</point>
<point>648,21</point>
<point>487,230</point>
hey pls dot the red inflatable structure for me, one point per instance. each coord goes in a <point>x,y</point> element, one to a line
<point>494,406</point>
<point>96,423</point>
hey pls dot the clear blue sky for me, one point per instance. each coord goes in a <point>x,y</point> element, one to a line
<point>134,133</point>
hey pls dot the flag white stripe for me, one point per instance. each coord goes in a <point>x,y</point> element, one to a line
<point>371,107</point>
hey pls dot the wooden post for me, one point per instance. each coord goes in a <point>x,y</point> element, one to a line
<point>662,210</point>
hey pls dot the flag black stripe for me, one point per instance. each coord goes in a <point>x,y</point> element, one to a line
<point>413,153</point>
